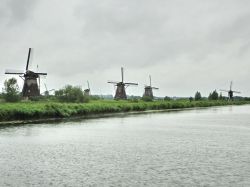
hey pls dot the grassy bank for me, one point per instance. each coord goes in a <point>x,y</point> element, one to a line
<point>43,110</point>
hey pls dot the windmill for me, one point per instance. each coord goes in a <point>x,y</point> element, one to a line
<point>149,89</point>
<point>46,93</point>
<point>30,87</point>
<point>87,91</point>
<point>230,91</point>
<point>121,87</point>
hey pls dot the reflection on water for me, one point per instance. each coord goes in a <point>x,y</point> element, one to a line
<point>208,147</point>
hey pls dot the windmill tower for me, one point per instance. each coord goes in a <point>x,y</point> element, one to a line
<point>121,87</point>
<point>30,87</point>
<point>230,91</point>
<point>87,91</point>
<point>149,89</point>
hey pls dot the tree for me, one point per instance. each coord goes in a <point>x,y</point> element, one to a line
<point>213,96</point>
<point>70,94</point>
<point>166,98</point>
<point>221,97</point>
<point>197,96</point>
<point>11,90</point>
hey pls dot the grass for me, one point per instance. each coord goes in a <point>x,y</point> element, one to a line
<point>44,110</point>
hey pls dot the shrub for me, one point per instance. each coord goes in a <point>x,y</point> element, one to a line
<point>94,97</point>
<point>191,99</point>
<point>72,94</point>
<point>147,98</point>
<point>133,100</point>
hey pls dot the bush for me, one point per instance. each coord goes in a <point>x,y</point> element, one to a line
<point>94,97</point>
<point>147,98</point>
<point>37,98</point>
<point>134,100</point>
<point>191,99</point>
<point>86,98</point>
<point>72,94</point>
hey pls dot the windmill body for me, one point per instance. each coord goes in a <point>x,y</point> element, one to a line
<point>149,89</point>
<point>148,92</point>
<point>30,87</point>
<point>121,87</point>
<point>120,91</point>
<point>87,91</point>
<point>230,92</point>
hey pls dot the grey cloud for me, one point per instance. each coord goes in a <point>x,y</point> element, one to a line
<point>15,11</point>
<point>185,45</point>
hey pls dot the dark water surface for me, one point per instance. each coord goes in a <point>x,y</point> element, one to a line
<point>207,147</point>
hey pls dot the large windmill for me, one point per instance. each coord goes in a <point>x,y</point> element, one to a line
<point>149,89</point>
<point>121,87</point>
<point>230,91</point>
<point>30,87</point>
<point>87,91</point>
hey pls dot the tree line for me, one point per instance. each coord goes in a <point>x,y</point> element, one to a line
<point>75,94</point>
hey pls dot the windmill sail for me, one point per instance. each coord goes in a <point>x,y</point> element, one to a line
<point>113,82</point>
<point>41,73</point>
<point>155,88</point>
<point>88,85</point>
<point>122,71</point>
<point>236,92</point>
<point>28,60</point>
<point>130,83</point>
<point>150,83</point>
<point>11,71</point>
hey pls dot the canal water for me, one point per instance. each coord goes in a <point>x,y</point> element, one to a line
<point>198,147</point>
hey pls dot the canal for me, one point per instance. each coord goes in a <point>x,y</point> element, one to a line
<point>198,147</point>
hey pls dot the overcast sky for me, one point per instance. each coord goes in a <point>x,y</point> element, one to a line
<point>186,45</point>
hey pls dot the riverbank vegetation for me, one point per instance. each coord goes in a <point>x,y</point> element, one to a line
<point>42,110</point>
<point>71,101</point>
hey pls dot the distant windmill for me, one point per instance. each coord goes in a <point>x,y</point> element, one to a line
<point>46,93</point>
<point>149,89</point>
<point>87,91</point>
<point>121,87</point>
<point>230,91</point>
<point>30,87</point>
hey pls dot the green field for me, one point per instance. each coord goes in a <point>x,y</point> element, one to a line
<point>46,110</point>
